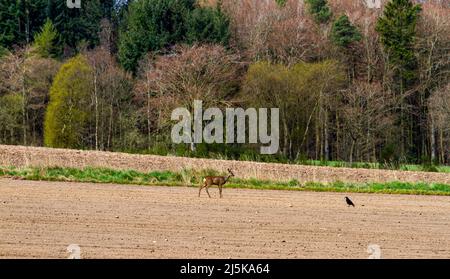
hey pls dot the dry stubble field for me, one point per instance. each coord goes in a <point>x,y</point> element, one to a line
<point>40,219</point>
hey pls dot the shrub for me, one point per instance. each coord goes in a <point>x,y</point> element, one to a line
<point>68,110</point>
<point>389,157</point>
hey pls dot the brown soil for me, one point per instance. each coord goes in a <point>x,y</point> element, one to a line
<point>21,156</point>
<point>41,219</point>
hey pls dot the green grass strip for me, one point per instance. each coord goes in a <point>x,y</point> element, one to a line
<point>193,178</point>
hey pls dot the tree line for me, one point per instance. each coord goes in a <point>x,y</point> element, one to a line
<point>352,83</point>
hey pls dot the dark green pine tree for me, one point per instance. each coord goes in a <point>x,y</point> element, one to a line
<point>9,25</point>
<point>76,26</point>
<point>20,20</point>
<point>32,15</point>
<point>208,25</point>
<point>320,10</point>
<point>107,8</point>
<point>151,25</point>
<point>344,33</point>
<point>397,29</point>
<point>91,16</point>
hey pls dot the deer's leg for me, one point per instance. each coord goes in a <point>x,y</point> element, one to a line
<point>220,190</point>
<point>200,190</point>
<point>202,186</point>
<point>206,188</point>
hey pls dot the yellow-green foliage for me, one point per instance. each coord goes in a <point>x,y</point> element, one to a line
<point>307,86</point>
<point>281,85</point>
<point>68,110</point>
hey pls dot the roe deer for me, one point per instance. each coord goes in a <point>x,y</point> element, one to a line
<point>215,180</point>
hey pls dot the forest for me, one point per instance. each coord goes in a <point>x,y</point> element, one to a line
<point>353,83</point>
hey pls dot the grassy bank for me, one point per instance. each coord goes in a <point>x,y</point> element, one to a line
<point>364,165</point>
<point>221,152</point>
<point>255,157</point>
<point>193,178</point>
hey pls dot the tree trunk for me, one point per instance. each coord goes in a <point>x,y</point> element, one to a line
<point>338,154</point>
<point>96,111</point>
<point>27,23</point>
<point>326,137</point>
<point>441,146</point>
<point>286,137</point>
<point>432,140</point>
<point>368,145</point>
<point>110,127</point>
<point>317,136</point>
<point>148,120</point>
<point>24,108</point>
<point>352,147</point>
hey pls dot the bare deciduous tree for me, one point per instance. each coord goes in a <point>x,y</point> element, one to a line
<point>30,76</point>
<point>269,32</point>
<point>439,119</point>
<point>366,111</point>
<point>111,96</point>
<point>200,72</point>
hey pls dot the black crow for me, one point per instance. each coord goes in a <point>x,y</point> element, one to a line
<point>349,202</point>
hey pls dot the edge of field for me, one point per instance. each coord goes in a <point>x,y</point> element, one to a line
<point>193,178</point>
<point>23,156</point>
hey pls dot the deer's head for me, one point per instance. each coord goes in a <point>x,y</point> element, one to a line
<point>231,173</point>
